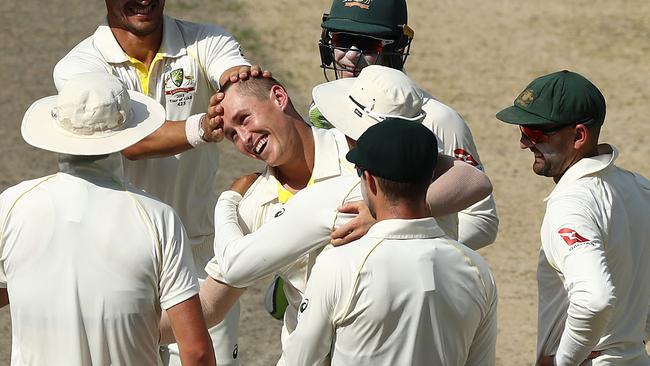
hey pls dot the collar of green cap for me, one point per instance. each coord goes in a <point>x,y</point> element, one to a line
<point>352,26</point>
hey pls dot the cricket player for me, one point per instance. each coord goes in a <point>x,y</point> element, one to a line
<point>592,274</point>
<point>261,122</point>
<point>86,260</point>
<point>405,293</point>
<point>180,64</point>
<point>357,34</point>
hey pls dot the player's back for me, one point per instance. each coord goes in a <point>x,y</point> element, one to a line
<point>414,299</point>
<point>83,263</point>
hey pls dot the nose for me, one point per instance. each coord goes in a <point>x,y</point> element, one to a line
<point>353,53</point>
<point>524,142</point>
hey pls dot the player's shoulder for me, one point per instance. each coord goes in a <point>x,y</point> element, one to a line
<point>152,205</point>
<point>14,192</point>
<point>440,113</point>
<point>193,31</point>
<point>337,188</point>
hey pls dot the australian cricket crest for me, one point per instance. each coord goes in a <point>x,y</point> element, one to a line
<point>176,77</point>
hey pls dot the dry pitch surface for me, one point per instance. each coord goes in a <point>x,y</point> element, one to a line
<point>474,55</point>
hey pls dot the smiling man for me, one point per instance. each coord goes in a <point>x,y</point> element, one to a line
<point>179,64</point>
<point>264,229</point>
<point>592,273</point>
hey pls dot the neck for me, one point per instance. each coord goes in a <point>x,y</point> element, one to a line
<point>402,210</point>
<point>581,154</point>
<point>142,48</point>
<point>294,175</point>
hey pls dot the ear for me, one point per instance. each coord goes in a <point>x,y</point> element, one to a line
<point>581,136</point>
<point>371,182</point>
<point>279,96</point>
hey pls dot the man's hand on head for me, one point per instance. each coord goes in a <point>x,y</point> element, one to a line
<point>355,228</point>
<point>243,183</point>
<point>244,72</point>
<point>212,124</point>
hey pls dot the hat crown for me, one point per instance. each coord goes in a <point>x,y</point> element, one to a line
<point>387,91</point>
<point>563,97</point>
<point>398,150</point>
<point>372,17</point>
<point>95,104</point>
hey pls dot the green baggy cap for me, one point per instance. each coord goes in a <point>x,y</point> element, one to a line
<point>560,98</point>
<point>397,150</point>
<point>378,18</point>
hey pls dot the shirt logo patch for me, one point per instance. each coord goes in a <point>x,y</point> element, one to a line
<point>279,213</point>
<point>463,155</point>
<point>177,77</point>
<point>571,236</point>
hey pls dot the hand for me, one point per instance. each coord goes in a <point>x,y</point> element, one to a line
<point>242,184</point>
<point>356,227</point>
<point>212,127</point>
<point>244,72</point>
<point>213,123</point>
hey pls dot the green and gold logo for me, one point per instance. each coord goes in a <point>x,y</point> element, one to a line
<point>525,98</point>
<point>363,4</point>
<point>177,77</point>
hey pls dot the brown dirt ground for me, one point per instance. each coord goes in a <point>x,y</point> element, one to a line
<point>474,55</point>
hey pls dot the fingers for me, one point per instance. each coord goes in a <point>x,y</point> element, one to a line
<point>213,129</point>
<point>352,207</point>
<point>344,234</point>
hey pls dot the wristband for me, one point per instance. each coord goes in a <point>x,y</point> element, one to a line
<point>194,130</point>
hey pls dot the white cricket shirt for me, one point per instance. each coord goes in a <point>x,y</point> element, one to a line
<point>404,294</point>
<point>593,271</point>
<point>183,76</point>
<point>88,264</point>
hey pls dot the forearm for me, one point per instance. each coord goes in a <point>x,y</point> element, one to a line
<point>478,225</point>
<point>170,139</point>
<point>458,186</point>
<point>194,343</point>
<point>241,259</point>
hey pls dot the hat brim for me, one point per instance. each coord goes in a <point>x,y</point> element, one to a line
<point>333,101</point>
<point>41,130</point>
<point>517,116</point>
<point>352,26</point>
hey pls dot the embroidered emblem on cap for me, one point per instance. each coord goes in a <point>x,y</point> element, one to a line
<point>363,4</point>
<point>525,98</point>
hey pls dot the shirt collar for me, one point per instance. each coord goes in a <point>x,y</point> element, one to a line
<point>172,45</point>
<point>425,228</point>
<point>326,155</point>
<point>606,155</point>
<point>108,169</point>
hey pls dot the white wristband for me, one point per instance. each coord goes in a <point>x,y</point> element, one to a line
<point>193,130</point>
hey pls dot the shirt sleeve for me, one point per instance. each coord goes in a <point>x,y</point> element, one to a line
<point>241,259</point>
<point>574,242</point>
<point>477,224</point>
<point>310,343</point>
<point>178,281</point>
<point>218,51</point>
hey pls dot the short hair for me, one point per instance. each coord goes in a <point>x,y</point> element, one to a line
<point>258,87</point>
<point>404,191</point>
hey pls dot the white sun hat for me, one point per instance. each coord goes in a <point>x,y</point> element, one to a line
<point>379,92</point>
<point>93,114</point>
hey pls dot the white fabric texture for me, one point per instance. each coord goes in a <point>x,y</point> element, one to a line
<point>404,294</point>
<point>593,274</point>
<point>89,262</point>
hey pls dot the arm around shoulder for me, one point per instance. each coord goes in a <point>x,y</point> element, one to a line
<point>456,186</point>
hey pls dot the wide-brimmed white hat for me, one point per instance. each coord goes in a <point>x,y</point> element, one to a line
<point>379,92</point>
<point>93,114</point>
